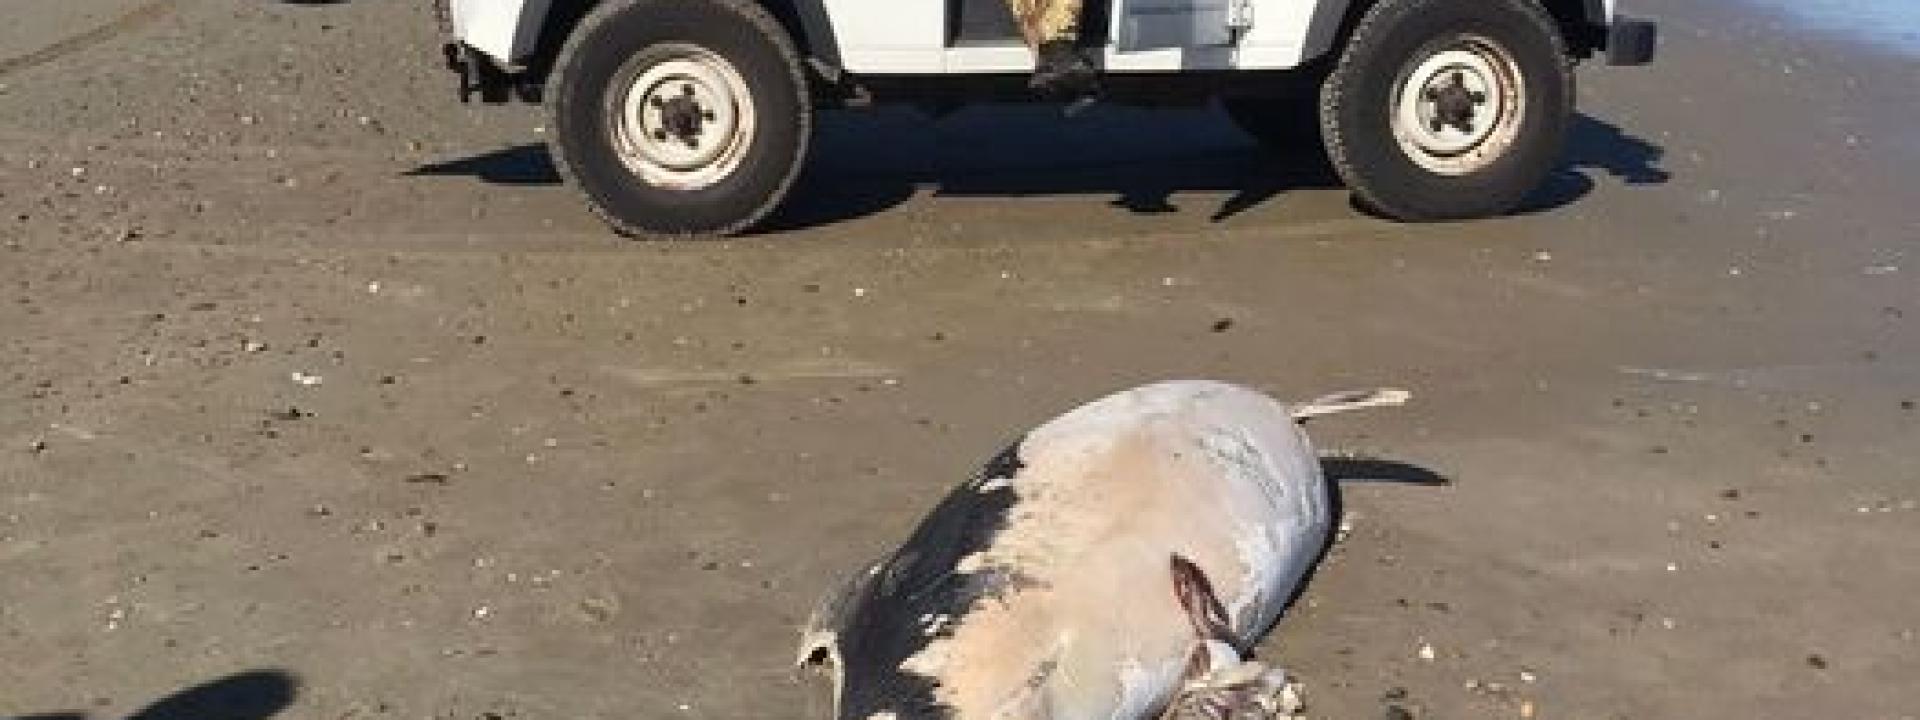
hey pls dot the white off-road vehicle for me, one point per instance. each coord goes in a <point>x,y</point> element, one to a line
<point>694,116</point>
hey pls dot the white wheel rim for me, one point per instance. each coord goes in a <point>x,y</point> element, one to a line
<point>683,120</point>
<point>1460,107</point>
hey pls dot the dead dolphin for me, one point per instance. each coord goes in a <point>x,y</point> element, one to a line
<point>1041,589</point>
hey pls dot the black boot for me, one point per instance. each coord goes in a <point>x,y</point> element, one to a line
<point>1062,71</point>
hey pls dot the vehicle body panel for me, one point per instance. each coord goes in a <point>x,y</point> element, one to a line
<point>507,31</point>
<point>910,37</point>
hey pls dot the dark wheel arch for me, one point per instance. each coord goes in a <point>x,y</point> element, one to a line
<point>805,21</point>
<point>1583,23</point>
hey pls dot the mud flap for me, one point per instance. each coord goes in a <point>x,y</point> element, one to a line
<point>1630,42</point>
<point>477,75</point>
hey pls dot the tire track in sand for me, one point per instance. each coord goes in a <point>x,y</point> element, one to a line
<point>131,20</point>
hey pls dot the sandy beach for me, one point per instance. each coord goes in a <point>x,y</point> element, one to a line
<point>320,396</point>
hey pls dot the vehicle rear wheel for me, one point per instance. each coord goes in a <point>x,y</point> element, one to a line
<point>1447,109</point>
<point>680,117</point>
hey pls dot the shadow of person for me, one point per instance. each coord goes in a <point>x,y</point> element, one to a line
<point>1595,145</point>
<point>1600,145</point>
<point>251,695</point>
<point>528,164</point>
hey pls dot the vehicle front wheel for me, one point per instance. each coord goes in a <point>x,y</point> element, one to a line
<point>680,117</point>
<point>1448,109</point>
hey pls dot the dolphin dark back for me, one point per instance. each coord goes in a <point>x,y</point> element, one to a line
<point>919,582</point>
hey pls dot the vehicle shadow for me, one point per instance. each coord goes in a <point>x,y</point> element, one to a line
<point>251,695</point>
<point>865,163</point>
<point>1138,159</point>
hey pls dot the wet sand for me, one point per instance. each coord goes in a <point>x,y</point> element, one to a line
<point>312,373</point>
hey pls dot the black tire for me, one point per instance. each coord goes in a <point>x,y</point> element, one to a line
<point>1285,126</point>
<point>621,40</point>
<point>1358,105</point>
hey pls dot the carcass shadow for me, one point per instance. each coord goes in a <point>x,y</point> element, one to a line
<point>1340,471</point>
